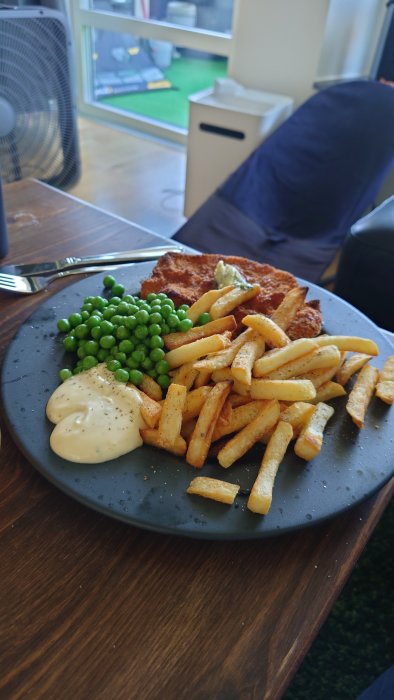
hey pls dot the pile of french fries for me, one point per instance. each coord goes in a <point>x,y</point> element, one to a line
<point>231,391</point>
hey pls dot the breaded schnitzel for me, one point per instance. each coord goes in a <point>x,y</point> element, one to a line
<point>186,277</point>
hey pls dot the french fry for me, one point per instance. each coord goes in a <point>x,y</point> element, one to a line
<point>320,376</point>
<point>385,385</point>
<point>174,340</point>
<point>187,428</point>
<point>310,440</point>
<point>243,362</point>
<point>185,374</point>
<point>150,387</point>
<point>238,399</point>
<point>349,343</point>
<point>283,390</point>
<point>170,420</point>
<point>320,358</point>
<point>201,438</point>
<point>150,409</point>
<point>260,498</point>
<point>329,390</point>
<point>225,374</point>
<point>297,414</point>
<point>285,313</point>
<point>205,302</point>
<point>350,366</point>
<point>225,414</point>
<point>271,332</point>
<point>240,416</point>
<point>273,359</point>
<point>195,350</point>
<point>203,378</point>
<point>195,400</point>
<point>224,358</point>
<point>216,489</point>
<point>150,436</point>
<point>361,394</point>
<point>248,436</point>
<point>237,296</point>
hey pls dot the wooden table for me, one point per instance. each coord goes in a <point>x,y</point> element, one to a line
<point>94,608</point>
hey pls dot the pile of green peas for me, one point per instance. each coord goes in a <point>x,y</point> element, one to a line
<point>123,331</point>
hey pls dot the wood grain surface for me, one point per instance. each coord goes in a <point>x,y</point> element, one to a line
<point>93,608</point>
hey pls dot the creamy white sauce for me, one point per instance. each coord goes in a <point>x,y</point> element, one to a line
<point>97,418</point>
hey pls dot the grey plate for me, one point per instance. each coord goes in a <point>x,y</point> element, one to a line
<point>146,488</point>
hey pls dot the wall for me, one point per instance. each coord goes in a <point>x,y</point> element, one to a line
<point>285,46</point>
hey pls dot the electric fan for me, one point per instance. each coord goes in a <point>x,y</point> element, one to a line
<point>38,129</point>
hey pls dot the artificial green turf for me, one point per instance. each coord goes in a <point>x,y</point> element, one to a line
<point>187,75</point>
<point>356,644</point>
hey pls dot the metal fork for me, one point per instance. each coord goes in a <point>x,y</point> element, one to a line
<point>31,284</point>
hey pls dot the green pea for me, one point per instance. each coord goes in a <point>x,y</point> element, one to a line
<point>126,346</point>
<point>154,329</point>
<point>115,300</point>
<point>75,319</point>
<point>109,281</point>
<point>81,331</point>
<point>100,302</point>
<point>181,313</point>
<point>156,341</point>
<point>113,364</point>
<point>162,367</point>
<point>173,320</point>
<point>121,357</point>
<point>89,361</point>
<point>93,321</point>
<point>106,327</point>
<point>156,354</point>
<point>107,341</point>
<point>163,380</point>
<point>147,363</point>
<point>117,319</point>
<point>102,355</point>
<point>130,322</point>
<point>142,316</point>
<point>70,343</point>
<point>141,332</point>
<point>92,347</point>
<point>63,325</point>
<point>96,332</point>
<point>184,307</point>
<point>122,375</point>
<point>138,356</point>
<point>65,374</point>
<point>135,376</point>
<point>122,333</point>
<point>131,363</point>
<point>155,317</point>
<point>204,318</point>
<point>151,296</point>
<point>118,290</point>
<point>185,325</point>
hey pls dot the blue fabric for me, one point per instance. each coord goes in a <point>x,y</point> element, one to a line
<point>308,182</point>
<point>382,688</point>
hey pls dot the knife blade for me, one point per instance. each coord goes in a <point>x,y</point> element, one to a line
<point>137,255</point>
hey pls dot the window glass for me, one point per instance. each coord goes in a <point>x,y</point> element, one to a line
<point>213,15</point>
<point>150,78</point>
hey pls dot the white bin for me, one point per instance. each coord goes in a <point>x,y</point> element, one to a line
<point>226,123</point>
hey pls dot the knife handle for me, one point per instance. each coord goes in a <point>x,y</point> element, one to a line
<point>137,255</point>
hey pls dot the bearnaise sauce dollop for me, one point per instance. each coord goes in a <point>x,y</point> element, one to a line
<point>97,418</point>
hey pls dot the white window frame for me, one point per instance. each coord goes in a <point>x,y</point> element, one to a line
<point>84,19</point>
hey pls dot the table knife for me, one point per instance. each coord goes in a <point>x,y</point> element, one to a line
<point>137,255</point>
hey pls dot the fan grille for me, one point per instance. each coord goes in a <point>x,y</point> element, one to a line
<point>35,86</point>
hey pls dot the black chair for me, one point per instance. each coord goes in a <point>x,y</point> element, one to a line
<point>293,200</point>
<point>365,275</point>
